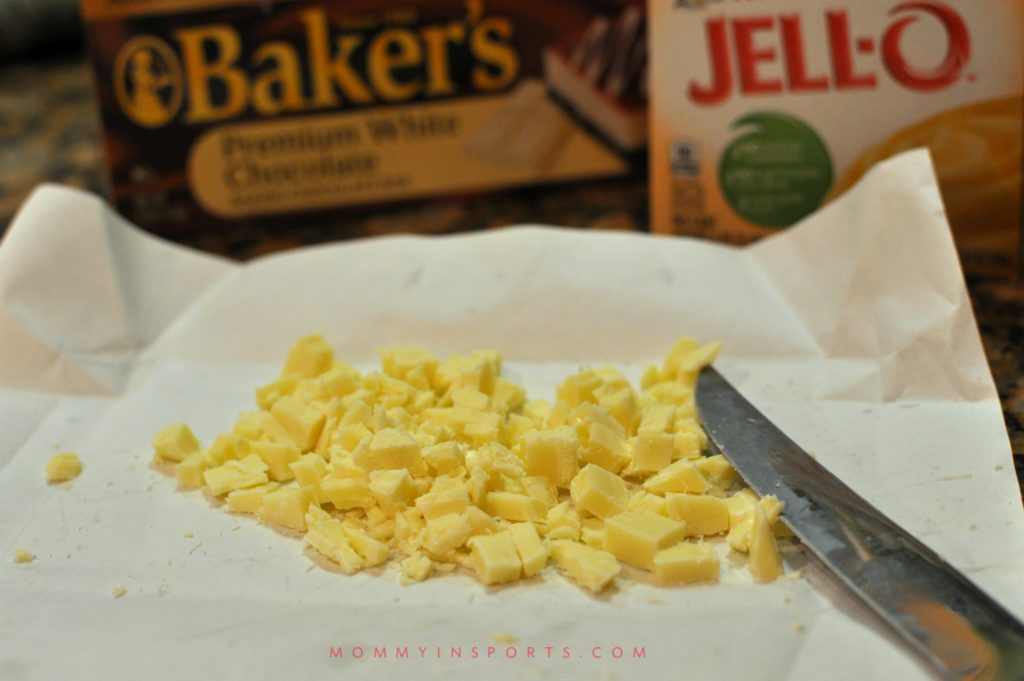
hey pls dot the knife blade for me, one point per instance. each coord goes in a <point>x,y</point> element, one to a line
<point>953,626</point>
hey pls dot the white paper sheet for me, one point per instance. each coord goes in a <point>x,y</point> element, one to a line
<point>853,331</point>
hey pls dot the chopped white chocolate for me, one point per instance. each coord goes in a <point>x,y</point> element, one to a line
<point>703,515</point>
<point>310,470</point>
<point>226,447</point>
<point>301,421</point>
<point>417,567</point>
<point>765,562</point>
<point>635,536</point>
<point>685,563</point>
<point>189,472</point>
<point>235,474</point>
<point>553,454</point>
<point>651,452</point>
<point>533,554</point>
<point>287,507</point>
<point>591,568</point>
<point>309,357</point>
<point>495,558</point>
<point>599,491</point>
<point>327,535</point>
<point>348,493</point>
<point>439,465</point>
<point>512,506</point>
<point>62,467</point>
<point>390,449</point>
<point>715,468</point>
<point>393,489</point>
<point>175,442</point>
<point>249,499</point>
<point>680,476</point>
<point>446,533</point>
<point>278,456</point>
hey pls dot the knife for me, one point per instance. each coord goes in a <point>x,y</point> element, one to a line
<point>952,625</point>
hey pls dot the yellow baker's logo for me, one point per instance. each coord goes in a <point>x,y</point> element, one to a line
<point>148,81</point>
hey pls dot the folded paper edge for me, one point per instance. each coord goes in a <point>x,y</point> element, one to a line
<point>837,247</point>
<point>20,262</point>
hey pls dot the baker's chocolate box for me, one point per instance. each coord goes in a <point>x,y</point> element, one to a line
<point>229,112</point>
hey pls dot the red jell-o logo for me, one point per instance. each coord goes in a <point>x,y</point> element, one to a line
<point>740,49</point>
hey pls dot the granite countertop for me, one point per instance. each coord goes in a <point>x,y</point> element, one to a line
<point>49,132</point>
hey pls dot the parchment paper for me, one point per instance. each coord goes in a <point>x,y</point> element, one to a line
<point>853,331</point>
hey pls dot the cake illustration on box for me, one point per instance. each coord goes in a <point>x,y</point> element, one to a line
<point>600,76</point>
<point>528,131</point>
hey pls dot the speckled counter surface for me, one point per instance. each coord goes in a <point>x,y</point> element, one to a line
<point>49,132</point>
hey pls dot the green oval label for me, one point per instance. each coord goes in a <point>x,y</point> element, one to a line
<point>778,172</point>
